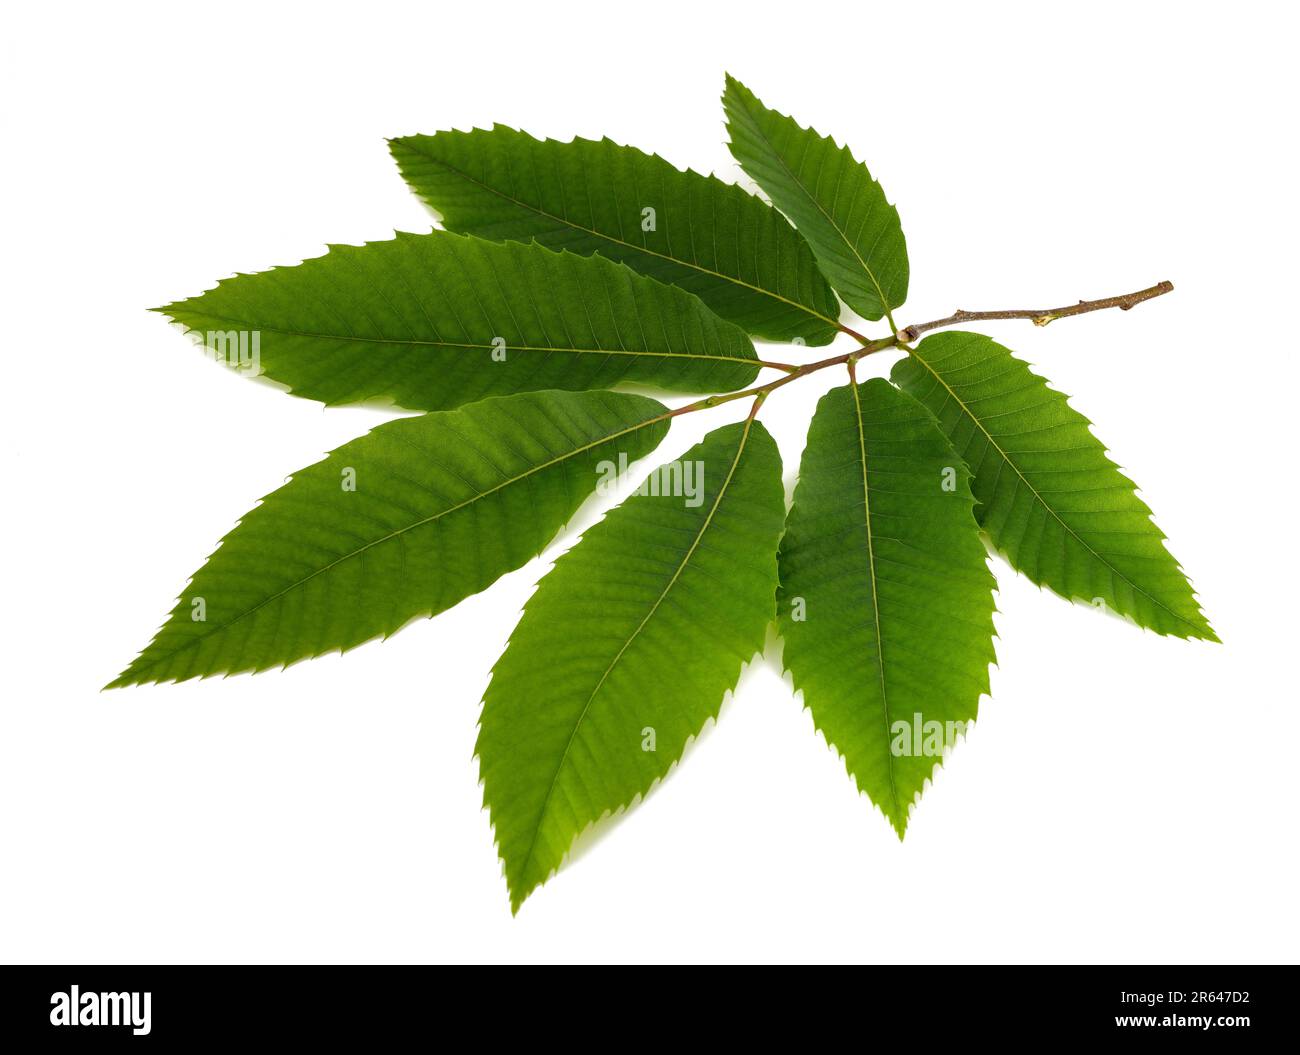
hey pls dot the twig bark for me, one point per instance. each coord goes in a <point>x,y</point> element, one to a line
<point>1038,316</point>
<point>908,334</point>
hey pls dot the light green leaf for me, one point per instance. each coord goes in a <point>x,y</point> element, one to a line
<point>407,520</point>
<point>436,320</point>
<point>628,647</point>
<point>886,602</point>
<point>735,252</point>
<point>831,198</point>
<point>1050,498</point>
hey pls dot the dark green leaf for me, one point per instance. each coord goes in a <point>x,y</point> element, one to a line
<point>831,198</point>
<point>886,602</point>
<point>1049,497</point>
<point>712,238</point>
<point>407,520</point>
<point>627,648</point>
<point>437,320</point>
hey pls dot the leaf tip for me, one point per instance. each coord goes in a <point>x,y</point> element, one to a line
<point>129,677</point>
<point>169,310</point>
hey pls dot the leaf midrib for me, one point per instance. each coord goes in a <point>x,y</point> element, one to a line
<point>417,342</point>
<point>875,596</point>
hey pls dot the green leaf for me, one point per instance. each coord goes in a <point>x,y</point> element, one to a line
<point>407,520</point>
<point>831,198</point>
<point>735,252</point>
<point>637,632</point>
<point>1050,498</point>
<point>436,320</point>
<point>886,602</point>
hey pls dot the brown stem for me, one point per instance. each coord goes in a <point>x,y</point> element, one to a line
<point>762,391</point>
<point>854,334</point>
<point>908,334</point>
<point>1038,316</point>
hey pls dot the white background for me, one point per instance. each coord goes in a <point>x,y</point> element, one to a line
<point>1123,797</point>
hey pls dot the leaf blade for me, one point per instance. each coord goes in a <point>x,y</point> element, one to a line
<point>437,320</point>
<point>854,231</point>
<point>682,597</point>
<point>1051,499</point>
<point>443,505</point>
<point>886,602</point>
<point>711,238</point>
